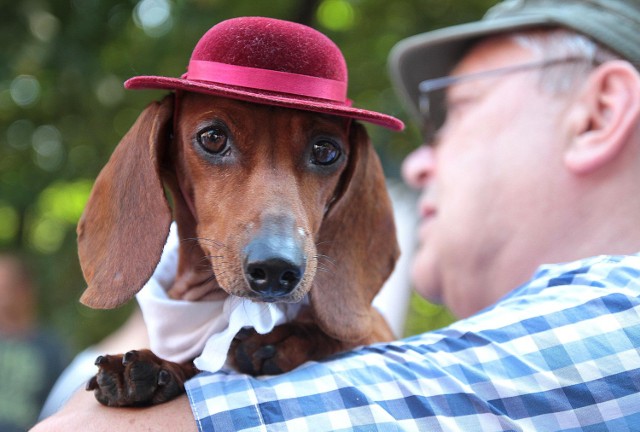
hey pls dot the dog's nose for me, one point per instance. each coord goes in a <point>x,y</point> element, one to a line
<point>273,266</point>
<point>273,278</point>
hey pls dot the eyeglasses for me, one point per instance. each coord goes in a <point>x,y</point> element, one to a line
<point>432,94</point>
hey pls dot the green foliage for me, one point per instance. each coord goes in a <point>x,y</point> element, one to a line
<point>63,108</point>
<point>425,316</point>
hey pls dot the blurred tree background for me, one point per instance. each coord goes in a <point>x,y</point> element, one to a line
<point>63,108</point>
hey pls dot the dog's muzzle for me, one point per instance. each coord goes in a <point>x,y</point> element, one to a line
<point>274,262</point>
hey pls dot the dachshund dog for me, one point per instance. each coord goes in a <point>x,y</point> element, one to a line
<point>272,204</point>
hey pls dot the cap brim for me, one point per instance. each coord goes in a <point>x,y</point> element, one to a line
<point>268,98</point>
<point>434,54</point>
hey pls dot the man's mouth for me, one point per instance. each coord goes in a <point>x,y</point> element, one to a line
<point>427,214</point>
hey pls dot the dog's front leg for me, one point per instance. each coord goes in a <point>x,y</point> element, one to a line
<point>138,378</point>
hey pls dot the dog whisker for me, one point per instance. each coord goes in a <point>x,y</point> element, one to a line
<point>323,243</point>
<point>323,270</point>
<point>220,267</point>
<point>325,259</point>
<point>213,256</point>
<point>193,240</point>
<point>209,283</point>
<point>210,279</point>
<point>203,268</point>
<point>189,239</point>
<point>206,241</point>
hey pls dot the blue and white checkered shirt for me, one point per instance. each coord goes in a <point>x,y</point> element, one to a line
<point>561,352</point>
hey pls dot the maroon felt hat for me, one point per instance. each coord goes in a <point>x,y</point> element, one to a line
<point>269,61</point>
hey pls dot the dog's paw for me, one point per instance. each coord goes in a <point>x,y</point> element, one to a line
<point>137,378</point>
<point>284,349</point>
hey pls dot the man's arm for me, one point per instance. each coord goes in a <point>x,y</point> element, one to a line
<point>83,412</point>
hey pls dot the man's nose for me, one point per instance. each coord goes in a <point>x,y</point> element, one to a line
<point>418,167</point>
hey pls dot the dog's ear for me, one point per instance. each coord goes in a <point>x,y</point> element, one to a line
<point>125,224</point>
<point>358,241</point>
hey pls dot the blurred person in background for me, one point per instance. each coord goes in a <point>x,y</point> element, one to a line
<point>31,358</point>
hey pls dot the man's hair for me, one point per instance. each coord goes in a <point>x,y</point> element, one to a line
<point>563,43</point>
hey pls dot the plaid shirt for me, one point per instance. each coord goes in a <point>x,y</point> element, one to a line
<point>561,352</point>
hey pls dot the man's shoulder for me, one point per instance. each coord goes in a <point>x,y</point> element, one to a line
<point>599,275</point>
<point>613,268</point>
<point>559,298</point>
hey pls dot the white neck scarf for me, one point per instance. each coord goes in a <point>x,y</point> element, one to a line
<point>182,330</point>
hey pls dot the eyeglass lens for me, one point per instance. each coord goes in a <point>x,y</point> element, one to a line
<point>433,107</point>
<point>433,101</point>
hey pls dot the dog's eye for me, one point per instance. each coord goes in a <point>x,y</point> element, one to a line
<point>325,152</point>
<point>213,140</point>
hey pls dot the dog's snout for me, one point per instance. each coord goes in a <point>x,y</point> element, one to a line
<point>273,266</point>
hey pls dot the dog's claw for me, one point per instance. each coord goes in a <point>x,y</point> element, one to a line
<point>163,377</point>
<point>243,360</point>
<point>266,352</point>
<point>129,357</point>
<point>92,384</point>
<point>270,367</point>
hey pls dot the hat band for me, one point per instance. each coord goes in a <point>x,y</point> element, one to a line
<point>266,79</point>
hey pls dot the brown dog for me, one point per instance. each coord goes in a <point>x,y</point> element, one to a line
<point>271,204</point>
<point>277,194</point>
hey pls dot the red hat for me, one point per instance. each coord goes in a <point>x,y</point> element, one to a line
<point>272,62</point>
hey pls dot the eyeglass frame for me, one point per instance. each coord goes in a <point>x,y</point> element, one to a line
<point>430,128</point>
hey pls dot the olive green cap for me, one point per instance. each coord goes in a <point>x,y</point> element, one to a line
<point>613,23</point>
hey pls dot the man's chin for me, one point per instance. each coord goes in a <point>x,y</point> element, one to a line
<point>425,280</point>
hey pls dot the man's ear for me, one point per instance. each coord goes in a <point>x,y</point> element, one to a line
<point>605,114</point>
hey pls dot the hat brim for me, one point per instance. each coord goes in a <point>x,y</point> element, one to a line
<point>267,98</point>
<point>434,54</point>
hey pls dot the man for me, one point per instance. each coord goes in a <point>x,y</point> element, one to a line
<point>533,159</point>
